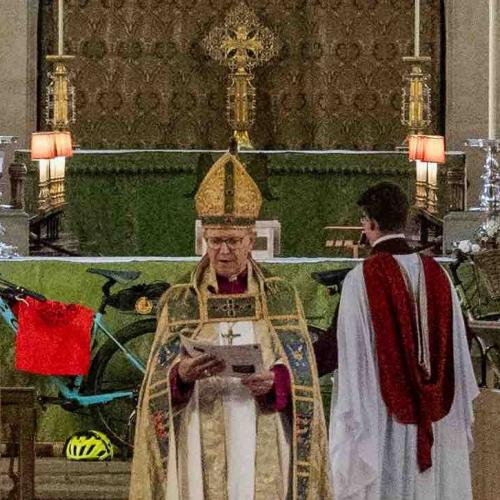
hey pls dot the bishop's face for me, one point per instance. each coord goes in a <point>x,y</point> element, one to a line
<point>229,249</point>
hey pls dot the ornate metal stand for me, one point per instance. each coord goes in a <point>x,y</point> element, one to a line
<point>489,200</point>
<point>490,194</point>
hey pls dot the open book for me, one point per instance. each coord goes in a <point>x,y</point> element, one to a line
<point>240,360</point>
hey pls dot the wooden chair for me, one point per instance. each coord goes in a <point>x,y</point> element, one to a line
<point>339,242</point>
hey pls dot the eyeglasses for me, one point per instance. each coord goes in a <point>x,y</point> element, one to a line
<point>231,243</point>
<point>364,219</point>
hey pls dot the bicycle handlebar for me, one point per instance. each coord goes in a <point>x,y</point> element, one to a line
<point>461,257</point>
<point>15,290</point>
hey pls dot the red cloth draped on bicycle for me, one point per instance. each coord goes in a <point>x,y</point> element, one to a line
<point>53,338</point>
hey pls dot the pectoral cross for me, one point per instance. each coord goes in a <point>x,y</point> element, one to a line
<point>229,336</point>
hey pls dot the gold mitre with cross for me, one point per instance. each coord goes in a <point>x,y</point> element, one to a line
<point>228,196</point>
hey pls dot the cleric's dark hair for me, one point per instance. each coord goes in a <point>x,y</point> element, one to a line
<point>387,204</point>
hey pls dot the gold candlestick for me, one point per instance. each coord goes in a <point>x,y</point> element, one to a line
<point>60,94</point>
<point>416,103</point>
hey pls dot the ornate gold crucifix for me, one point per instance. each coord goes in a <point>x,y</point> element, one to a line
<point>241,44</point>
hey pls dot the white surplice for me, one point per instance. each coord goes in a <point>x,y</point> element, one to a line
<point>240,419</point>
<point>240,422</point>
<point>373,456</point>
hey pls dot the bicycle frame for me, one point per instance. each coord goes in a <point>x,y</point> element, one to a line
<point>71,392</point>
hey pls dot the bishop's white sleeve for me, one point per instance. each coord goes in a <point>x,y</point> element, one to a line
<point>354,420</point>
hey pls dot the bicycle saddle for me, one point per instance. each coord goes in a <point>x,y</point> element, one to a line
<point>330,278</point>
<point>118,276</point>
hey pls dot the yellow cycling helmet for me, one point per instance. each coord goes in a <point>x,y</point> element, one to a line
<point>88,445</point>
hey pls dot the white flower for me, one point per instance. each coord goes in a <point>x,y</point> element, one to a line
<point>491,227</point>
<point>465,246</point>
<point>475,248</point>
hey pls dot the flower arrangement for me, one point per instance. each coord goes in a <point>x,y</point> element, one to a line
<point>488,233</point>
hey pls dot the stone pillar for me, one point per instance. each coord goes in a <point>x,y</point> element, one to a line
<point>18,74</point>
<point>17,173</point>
<point>18,64</point>
<point>467,83</point>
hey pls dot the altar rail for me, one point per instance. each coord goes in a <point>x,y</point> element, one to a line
<point>141,202</point>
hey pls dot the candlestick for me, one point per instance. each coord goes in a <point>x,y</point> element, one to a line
<point>60,34</point>
<point>492,102</point>
<point>417,28</point>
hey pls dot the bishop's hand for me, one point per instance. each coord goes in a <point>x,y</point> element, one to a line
<point>192,369</point>
<point>259,384</point>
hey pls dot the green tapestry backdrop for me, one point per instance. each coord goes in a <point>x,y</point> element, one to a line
<point>143,80</point>
<point>141,203</point>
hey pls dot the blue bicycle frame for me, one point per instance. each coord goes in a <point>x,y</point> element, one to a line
<point>73,393</point>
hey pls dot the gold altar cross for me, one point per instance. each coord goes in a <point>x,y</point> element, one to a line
<point>241,44</point>
<point>230,336</point>
<point>241,48</point>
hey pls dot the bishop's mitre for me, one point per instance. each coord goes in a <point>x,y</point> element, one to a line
<point>228,196</point>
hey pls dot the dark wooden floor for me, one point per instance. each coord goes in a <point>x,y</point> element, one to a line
<point>60,479</point>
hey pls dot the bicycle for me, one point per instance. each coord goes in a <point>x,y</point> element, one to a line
<point>483,328</point>
<point>111,387</point>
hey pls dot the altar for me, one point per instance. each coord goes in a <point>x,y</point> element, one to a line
<point>140,202</point>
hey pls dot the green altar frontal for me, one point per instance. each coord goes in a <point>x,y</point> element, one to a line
<point>141,202</point>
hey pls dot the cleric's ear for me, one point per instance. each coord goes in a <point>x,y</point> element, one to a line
<point>374,225</point>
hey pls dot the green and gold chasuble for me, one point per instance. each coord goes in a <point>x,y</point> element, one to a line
<point>291,468</point>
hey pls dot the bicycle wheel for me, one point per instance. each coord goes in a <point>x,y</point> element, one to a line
<point>111,371</point>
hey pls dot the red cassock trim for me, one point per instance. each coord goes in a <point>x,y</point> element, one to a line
<point>408,395</point>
